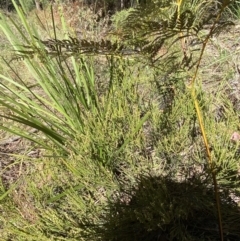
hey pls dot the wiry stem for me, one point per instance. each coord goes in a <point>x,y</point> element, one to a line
<point>199,116</point>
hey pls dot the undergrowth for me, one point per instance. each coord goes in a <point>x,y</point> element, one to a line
<point>132,140</point>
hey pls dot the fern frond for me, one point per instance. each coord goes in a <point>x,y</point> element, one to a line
<point>158,24</point>
<point>73,46</point>
<point>147,30</point>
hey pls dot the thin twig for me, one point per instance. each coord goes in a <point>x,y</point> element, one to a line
<point>199,116</point>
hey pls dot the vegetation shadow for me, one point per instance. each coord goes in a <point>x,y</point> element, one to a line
<point>161,209</point>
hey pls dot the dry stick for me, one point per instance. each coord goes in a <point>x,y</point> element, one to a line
<point>199,116</point>
<point>213,172</point>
